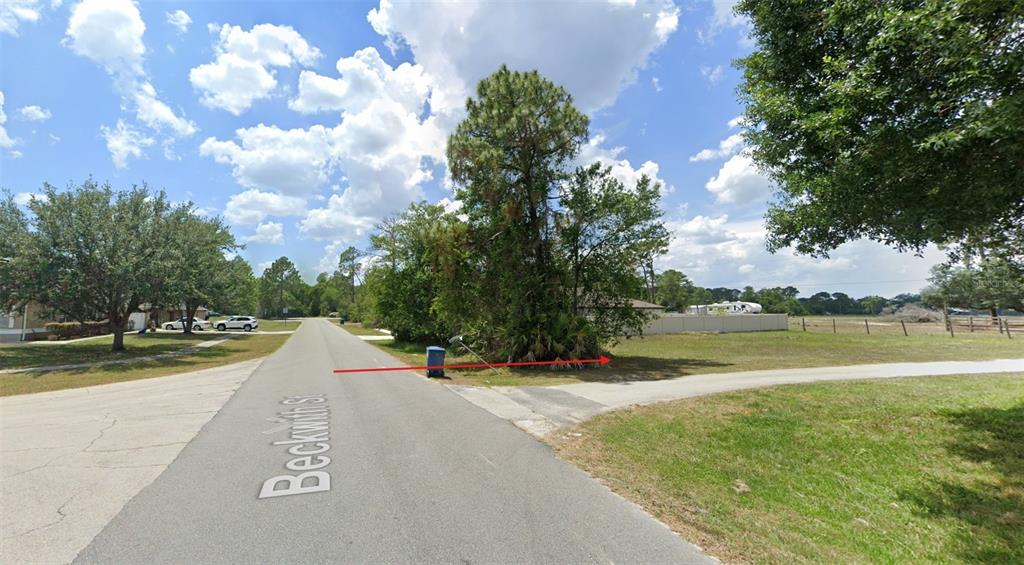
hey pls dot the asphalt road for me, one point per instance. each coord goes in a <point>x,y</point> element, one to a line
<point>417,474</point>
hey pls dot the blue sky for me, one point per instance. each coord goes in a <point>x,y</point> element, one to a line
<point>304,123</point>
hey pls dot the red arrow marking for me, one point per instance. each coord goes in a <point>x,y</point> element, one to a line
<point>602,360</point>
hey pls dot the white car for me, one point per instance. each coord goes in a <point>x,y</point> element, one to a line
<point>179,324</point>
<point>247,323</point>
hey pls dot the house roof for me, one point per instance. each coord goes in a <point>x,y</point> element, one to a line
<point>640,304</point>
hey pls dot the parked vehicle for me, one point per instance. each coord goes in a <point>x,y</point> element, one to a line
<point>246,323</point>
<point>736,307</point>
<point>179,324</point>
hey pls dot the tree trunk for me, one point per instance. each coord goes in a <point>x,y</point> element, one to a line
<point>117,324</point>
<point>190,313</point>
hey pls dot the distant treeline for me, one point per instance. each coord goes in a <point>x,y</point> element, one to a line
<point>676,292</point>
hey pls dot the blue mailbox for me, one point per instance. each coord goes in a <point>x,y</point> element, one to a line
<point>435,358</point>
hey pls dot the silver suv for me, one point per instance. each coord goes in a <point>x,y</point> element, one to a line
<point>247,323</point>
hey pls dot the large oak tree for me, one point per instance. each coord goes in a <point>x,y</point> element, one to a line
<point>900,121</point>
<point>92,253</point>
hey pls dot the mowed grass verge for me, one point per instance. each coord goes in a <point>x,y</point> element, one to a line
<point>358,329</point>
<point>267,325</point>
<point>16,356</point>
<point>912,470</point>
<point>240,348</point>
<point>670,356</point>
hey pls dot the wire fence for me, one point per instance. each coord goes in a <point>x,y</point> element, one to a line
<point>1010,327</point>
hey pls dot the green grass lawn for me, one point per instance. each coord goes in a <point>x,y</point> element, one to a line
<point>266,325</point>
<point>241,348</point>
<point>669,356</point>
<point>358,329</point>
<point>16,356</point>
<point>278,325</point>
<point>914,470</point>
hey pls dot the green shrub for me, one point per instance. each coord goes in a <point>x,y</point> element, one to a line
<point>69,330</point>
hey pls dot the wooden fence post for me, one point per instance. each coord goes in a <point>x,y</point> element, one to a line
<point>904,324</point>
<point>803,323</point>
<point>1007,322</point>
<point>970,320</point>
<point>950,322</point>
<point>833,325</point>
<point>866,328</point>
<point>999,322</point>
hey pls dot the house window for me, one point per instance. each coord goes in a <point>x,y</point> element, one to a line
<point>10,321</point>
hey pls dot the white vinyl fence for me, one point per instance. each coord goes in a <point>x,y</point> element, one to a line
<point>729,323</point>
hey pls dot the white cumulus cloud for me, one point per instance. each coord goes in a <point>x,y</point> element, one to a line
<point>109,32</point>
<point>5,141</point>
<point>364,78</point>
<point>124,142</point>
<point>242,71</point>
<point>718,251</point>
<point>23,198</point>
<point>739,182</point>
<point>158,115</point>
<point>726,147</point>
<point>295,161</point>
<point>594,151</point>
<point>253,206</point>
<point>269,232</point>
<point>336,219</point>
<point>179,19</point>
<point>34,113</point>
<point>567,42</point>
<point>382,144</point>
<point>14,12</point>
<point>385,146</point>
<point>724,16</point>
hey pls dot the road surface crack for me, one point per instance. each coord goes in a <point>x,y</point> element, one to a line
<point>60,512</point>
<point>139,447</point>
<point>99,437</point>
<point>37,467</point>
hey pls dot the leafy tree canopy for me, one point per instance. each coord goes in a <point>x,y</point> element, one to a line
<point>281,287</point>
<point>91,253</point>
<point>675,291</point>
<point>899,121</point>
<point>201,275</point>
<point>554,251</point>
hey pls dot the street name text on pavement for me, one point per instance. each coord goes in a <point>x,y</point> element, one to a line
<point>310,431</point>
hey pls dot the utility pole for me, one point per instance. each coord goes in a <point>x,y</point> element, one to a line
<point>24,321</point>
